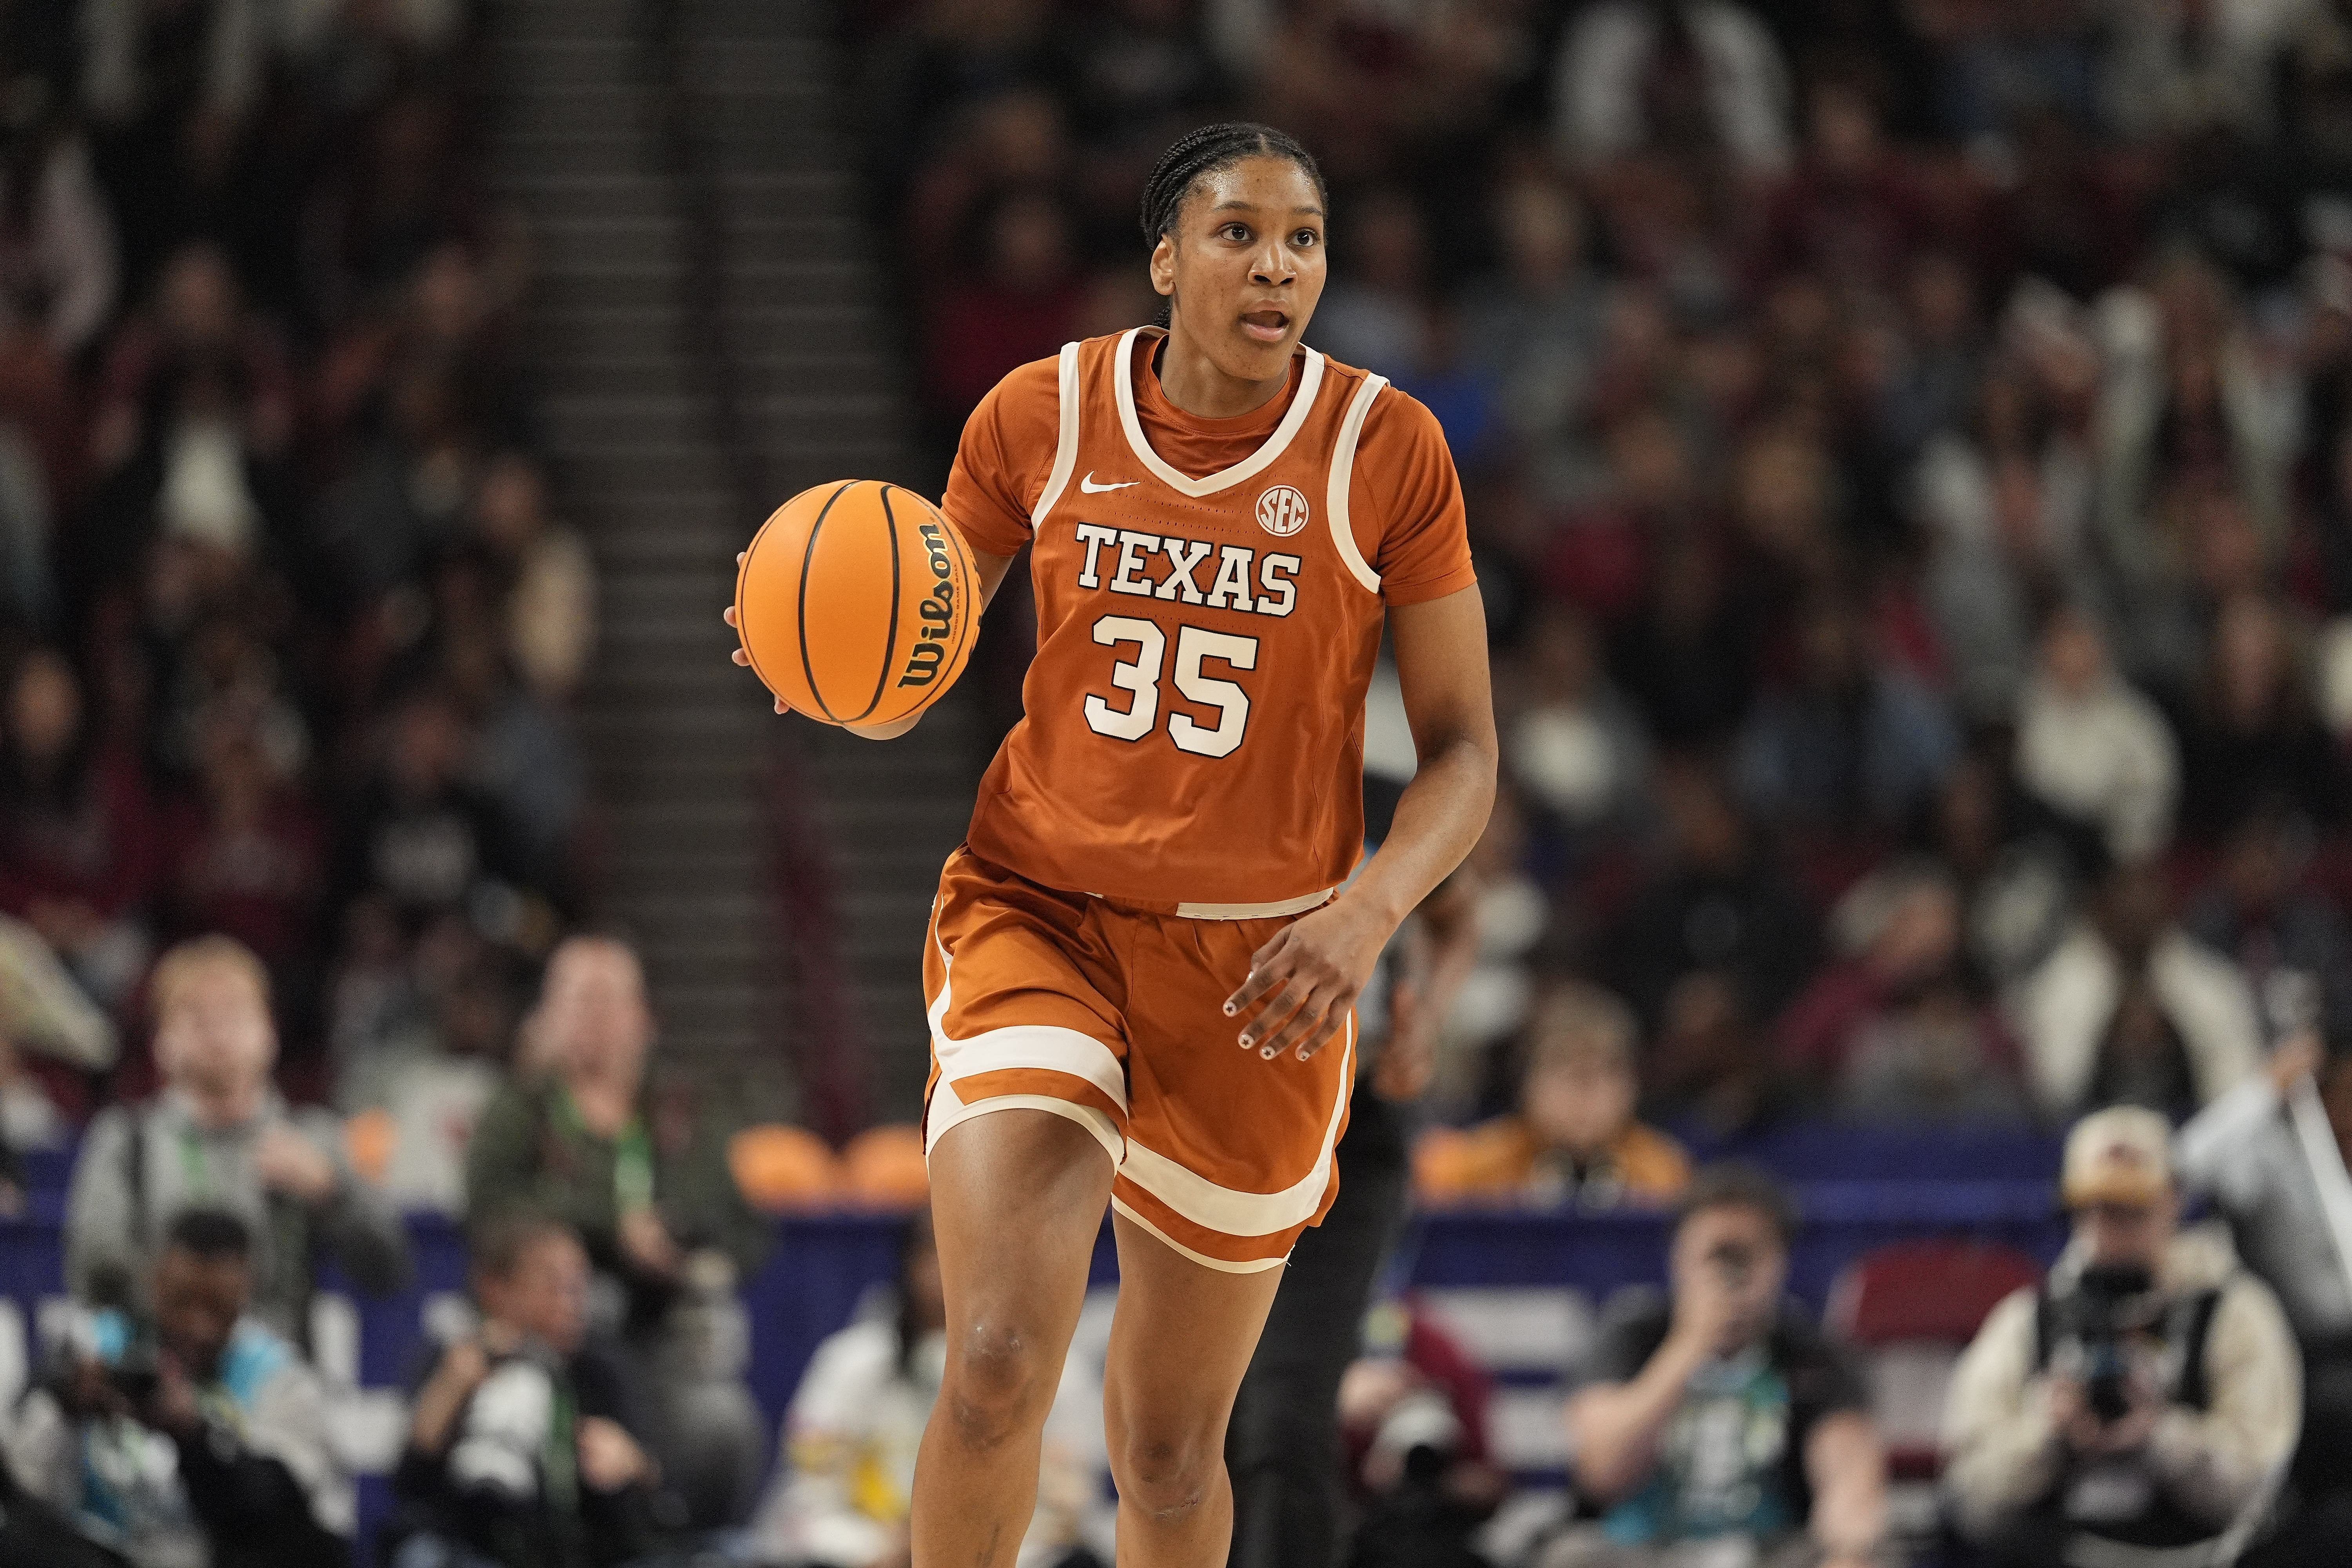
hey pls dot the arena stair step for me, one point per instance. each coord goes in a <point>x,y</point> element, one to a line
<point>676,736</point>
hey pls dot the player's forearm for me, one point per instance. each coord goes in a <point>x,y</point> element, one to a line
<point>1438,819</point>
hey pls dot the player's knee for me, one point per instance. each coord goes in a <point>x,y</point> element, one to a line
<point>1165,1474</point>
<point>999,1381</point>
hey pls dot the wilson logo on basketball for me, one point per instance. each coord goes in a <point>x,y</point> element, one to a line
<point>936,609</point>
<point>1282,511</point>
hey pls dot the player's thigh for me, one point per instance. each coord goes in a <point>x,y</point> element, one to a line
<point>1180,1342</point>
<point>1017,1200</point>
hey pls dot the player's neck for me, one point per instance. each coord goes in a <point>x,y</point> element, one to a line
<point>1191,381</point>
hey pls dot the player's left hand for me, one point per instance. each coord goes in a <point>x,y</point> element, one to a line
<point>1308,978</point>
<point>739,655</point>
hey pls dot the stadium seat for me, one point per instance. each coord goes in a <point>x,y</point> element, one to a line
<point>885,1168</point>
<point>1910,1309</point>
<point>778,1167</point>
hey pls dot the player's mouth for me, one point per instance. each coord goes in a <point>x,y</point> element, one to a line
<point>1268,325</point>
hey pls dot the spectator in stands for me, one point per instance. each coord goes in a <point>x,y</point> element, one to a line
<point>2091,749</point>
<point>2290,940</point>
<point>1573,1140</point>
<point>525,1449</point>
<point>77,852</point>
<point>218,1136</point>
<point>2199,428</point>
<point>1717,1414</point>
<point>1576,749</point>
<point>2252,731</point>
<point>197,1435</point>
<point>421,836</point>
<point>1707,1064</point>
<point>1896,1029</point>
<point>646,1185</point>
<point>1020,307</point>
<point>2131,1009</point>
<point>1684,74</point>
<point>197,326</point>
<point>1851,211</point>
<point>846,1456</point>
<point>1536,327</point>
<point>57,243</point>
<point>2139,1407</point>
<point>2276,1172</point>
<point>2005,501</point>
<point>244,853</point>
<point>551,579</point>
<point>1853,744</point>
<point>1719,903</point>
<point>1373,301</point>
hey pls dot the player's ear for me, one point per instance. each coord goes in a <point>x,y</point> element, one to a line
<point>1163,265</point>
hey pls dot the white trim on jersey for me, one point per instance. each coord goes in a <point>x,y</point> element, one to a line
<point>1035,1046</point>
<point>1230,1212</point>
<point>1222,1265</point>
<point>1048,1046</point>
<point>947,1110</point>
<point>1123,387</point>
<point>1343,470</point>
<point>1066,454</point>
<point>1298,906</point>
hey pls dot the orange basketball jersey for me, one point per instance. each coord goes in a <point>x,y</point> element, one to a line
<point>1192,741</point>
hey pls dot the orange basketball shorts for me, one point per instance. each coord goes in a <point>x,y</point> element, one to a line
<point>1115,1018</point>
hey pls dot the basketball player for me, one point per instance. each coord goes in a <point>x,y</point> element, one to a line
<point>1141,971</point>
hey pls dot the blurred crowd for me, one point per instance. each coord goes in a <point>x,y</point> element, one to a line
<point>1908,455</point>
<point>1909,463</point>
<point>289,628</point>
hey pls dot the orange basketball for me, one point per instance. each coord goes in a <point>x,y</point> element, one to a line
<point>856,603</point>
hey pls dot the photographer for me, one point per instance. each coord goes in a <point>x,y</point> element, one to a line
<point>201,1442</point>
<point>520,1452</point>
<point>2140,1405</point>
<point>1719,1424</point>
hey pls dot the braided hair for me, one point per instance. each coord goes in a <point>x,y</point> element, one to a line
<point>1207,151</point>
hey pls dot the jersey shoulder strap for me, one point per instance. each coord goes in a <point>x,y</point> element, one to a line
<point>1069,394</point>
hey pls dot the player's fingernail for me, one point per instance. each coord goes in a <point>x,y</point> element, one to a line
<point>1229,1009</point>
<point>1302,1053</point>
<point>1245,1042</point>
<point>1266,1055</point>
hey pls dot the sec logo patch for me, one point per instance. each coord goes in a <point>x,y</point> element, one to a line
<point>1282,511</point>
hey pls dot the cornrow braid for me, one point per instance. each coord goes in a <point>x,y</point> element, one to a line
<point>1207,151</point>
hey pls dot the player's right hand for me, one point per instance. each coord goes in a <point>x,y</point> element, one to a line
<point>727,614</point>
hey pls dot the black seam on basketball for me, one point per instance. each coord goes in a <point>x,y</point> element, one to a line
<point>891,640</point>
<point>808,555</point>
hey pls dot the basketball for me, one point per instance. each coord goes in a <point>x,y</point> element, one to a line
<point>856,602</point>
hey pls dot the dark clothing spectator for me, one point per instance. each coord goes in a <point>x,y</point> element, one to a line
<point>531,1151</point>
<point>1749,920</point>
<point>248,862</point>
<point>250,1479</point>
<point>1720,1418</point>
<point>1797,1380</point>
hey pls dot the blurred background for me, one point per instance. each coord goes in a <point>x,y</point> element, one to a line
<point>1908,451</point>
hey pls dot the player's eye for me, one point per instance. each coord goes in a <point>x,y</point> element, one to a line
<point>1238,232</point>
<point>1306,238</point>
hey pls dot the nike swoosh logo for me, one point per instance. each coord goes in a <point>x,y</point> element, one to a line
<point>1092,488</point>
